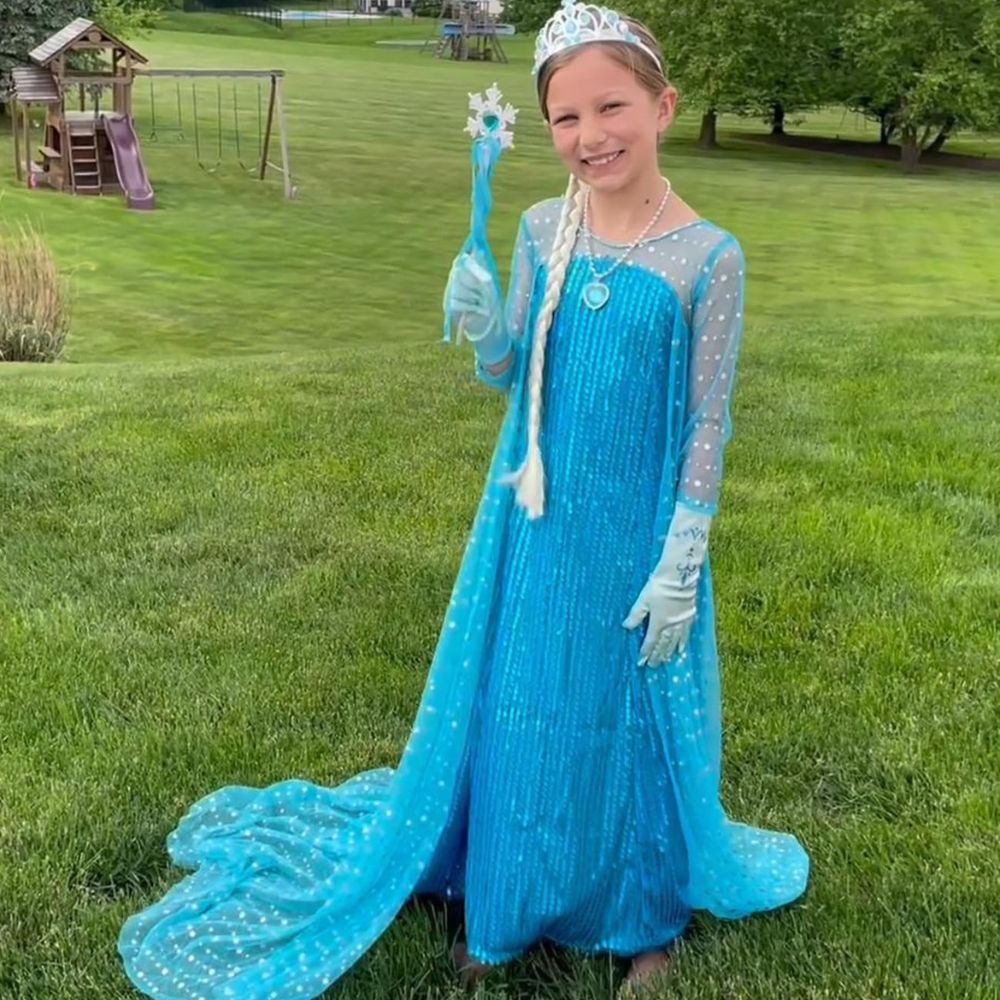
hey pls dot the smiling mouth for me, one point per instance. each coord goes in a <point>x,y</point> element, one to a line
<point>601,161</point>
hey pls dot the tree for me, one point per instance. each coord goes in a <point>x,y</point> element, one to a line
<point>426,8</point>
<point>126,19</point>
<point>924,68</point>
<point>27,23</point>
<point>749,57</point>
<point>706,56</point>
<point>798,63</point>
<point>529,15</point>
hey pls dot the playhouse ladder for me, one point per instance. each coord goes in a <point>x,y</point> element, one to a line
<point>85,165</point>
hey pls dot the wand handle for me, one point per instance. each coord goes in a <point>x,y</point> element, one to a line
<point>484,159</point>
<point>491,134</point>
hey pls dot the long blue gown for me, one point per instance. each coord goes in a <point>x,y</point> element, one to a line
<point>563,791</point>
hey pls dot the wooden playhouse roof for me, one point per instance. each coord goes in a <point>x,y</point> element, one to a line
<point>34,85</point>
<point>62,40</point>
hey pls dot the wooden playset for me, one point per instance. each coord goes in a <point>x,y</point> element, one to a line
<point>94,149</point>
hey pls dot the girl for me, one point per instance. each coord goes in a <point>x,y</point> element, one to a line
<point>562,775</point>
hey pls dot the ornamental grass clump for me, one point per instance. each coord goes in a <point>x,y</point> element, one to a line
<point>34,300</point>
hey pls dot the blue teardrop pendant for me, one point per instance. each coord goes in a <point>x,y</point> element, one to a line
<point>596,295</point>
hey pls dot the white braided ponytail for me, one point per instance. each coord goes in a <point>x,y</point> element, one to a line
<point>530,477</point>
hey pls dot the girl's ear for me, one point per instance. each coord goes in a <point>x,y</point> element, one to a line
<point>666,108</point>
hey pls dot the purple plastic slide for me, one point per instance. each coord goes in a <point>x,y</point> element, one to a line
<point>128,161</point>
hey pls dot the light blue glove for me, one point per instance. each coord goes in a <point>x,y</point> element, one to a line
<point>473,297</point>
<point>671,592</point>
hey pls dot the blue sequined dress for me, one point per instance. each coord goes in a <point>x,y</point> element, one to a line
<point>562,790</point>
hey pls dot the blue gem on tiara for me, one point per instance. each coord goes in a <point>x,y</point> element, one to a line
<point>579,23</point>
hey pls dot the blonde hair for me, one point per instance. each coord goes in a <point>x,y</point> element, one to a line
<point>530,477</point>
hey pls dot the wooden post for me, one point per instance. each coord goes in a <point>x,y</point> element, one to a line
<point>283,137</point>
<point>15,111</point>
<point>265,147</point>
<point>126,108</point>
<point>26,121</point>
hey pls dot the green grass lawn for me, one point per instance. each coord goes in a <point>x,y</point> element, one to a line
<point>231,523</point>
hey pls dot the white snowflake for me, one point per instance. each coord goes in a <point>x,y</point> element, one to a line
<point>491,117</point>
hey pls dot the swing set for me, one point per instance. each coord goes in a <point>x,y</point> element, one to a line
<point>209,149</point>
<point>96,150</point>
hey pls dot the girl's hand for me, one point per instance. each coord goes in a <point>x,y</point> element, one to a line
<point>670,596</point>
<point>670,609</point>
<point>472,294</point>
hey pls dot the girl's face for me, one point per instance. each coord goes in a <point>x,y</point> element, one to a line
<point>605,125</point>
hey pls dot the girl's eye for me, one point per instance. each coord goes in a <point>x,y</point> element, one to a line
<point>612,105</point>
<point>564,119</point>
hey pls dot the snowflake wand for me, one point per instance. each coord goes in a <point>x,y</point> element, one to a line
<point>491,135</point>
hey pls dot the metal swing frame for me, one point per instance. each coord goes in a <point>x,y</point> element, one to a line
<point>178,131</point>
<point>275,112</point>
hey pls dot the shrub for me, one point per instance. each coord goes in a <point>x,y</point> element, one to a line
<point>34,300</point>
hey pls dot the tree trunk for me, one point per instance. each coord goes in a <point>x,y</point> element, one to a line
<point>886,128</point>
<point>942,136</point>
<point>777,118</point>
<point>708,139</point>
<point>910,149</point>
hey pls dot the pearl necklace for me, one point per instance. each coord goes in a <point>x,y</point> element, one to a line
<point>596,293</point>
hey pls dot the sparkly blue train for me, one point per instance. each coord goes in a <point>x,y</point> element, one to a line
<point>563,791</point>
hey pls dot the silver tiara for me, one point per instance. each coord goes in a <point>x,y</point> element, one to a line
<point>579,23</point>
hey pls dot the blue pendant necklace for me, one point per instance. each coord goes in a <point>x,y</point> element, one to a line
<point>596,292</point>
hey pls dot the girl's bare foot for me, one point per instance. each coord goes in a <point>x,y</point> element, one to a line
<point>646,968</point>
<point>469,970</point>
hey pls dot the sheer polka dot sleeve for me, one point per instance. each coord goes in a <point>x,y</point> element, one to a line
<point>717,327</point>
<point>517,309</point>
<point>522,280</point>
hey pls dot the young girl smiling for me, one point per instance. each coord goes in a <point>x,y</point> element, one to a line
<point>562,776</point>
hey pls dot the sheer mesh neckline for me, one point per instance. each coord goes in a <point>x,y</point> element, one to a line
<point>649,239</point>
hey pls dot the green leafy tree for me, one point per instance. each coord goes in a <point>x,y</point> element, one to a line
<point>924,68</point>
<point>708,47</point>
<point>763,58</point>
<point>26,23</point>
<point>798,59</point>
<point>529,15</point>
<point>126,18</point>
